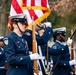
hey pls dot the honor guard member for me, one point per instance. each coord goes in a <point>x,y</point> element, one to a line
<point>61,62</point>
<point>2,58</point>
<point>51,51</point>
<point>41,40</point>
<point>16,48</point>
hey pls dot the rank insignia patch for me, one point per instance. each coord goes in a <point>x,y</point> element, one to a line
<point>27,33</point>
<point>54,47</point>
<point>6,41</point>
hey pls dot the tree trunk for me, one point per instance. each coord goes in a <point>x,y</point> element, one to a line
<point>4,7</point>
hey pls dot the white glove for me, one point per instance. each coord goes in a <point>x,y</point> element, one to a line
<point>35,74</point>
<point>69,41</point>
<point>36,56</point>
<point>72,62</point>
<point>47,24</point>
<point>39,73</point>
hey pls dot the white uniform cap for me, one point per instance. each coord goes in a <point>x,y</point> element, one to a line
<point>60,29</point>
<point>1,38</point>
<point>17,16</point>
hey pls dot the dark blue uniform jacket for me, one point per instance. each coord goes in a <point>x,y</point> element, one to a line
<point>2,62</point>
<point>41,40</point>
<point>16,51</point>
<point>63,67</point>
<point>2,57</point>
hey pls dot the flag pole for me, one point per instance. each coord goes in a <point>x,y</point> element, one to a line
<point>72,49</point>
<point>34,46</point>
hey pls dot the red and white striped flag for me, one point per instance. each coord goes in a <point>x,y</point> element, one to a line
<point>39,9</point>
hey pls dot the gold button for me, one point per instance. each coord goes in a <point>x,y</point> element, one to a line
<point>62,49</point>
<point>64,64</point>
<point>21,58</point>
<point>5,60</point>
<point>18,46</point>
<point>49,32</point>
<point>0,52</point>
<point>16,66</point>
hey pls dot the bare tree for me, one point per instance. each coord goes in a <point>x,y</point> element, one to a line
<point>4,12</point>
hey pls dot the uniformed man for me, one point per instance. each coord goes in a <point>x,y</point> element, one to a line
<point>62,63</point>
<point>51,51</point>
<point>2,59</point>
<point>16,48</point>
<point>41,40</point>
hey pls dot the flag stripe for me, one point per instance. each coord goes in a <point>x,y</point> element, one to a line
<point>38,14</point>
<point>44,3</point>
<point>16,7</point>
<point>12,11</point>
<point>32,13</point>
<point>32,2</point>
<point>37,8</point>
<point>24,2</point>
<point>37,2</point>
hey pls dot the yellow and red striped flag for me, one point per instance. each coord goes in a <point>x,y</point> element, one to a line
<point>39,9</point>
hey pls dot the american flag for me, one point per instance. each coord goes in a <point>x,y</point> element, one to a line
<point>39,9</point>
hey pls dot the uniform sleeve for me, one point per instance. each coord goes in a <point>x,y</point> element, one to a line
<point>11,56</point>
<point>57,51</point>
<point>27,35</point>
<point>64,59</point>
<point>41,40</point>
<point>61,63</point>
